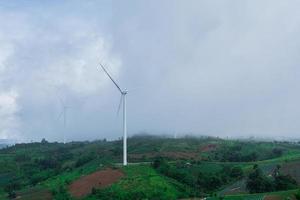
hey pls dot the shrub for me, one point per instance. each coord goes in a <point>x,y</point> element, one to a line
<point>297,195</point>
<point>236,172</point>
<point>277,152</point>
<point>257,182</point>
<point>12,186</point>
<point>285,182</point>
<point>12,195</point>
<point>83,160</point>
<point>22,158</point>
<point>61,193</point>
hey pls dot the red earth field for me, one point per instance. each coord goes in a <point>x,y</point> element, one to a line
<point>209,147</point>
<point>99,179</point>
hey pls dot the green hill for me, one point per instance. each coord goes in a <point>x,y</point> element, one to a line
<point>161,168</point>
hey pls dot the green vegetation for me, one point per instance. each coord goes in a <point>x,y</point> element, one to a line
<point>204,178</point>
<point>166,168</point>
<point>297,195</point>
<point>283,195</point>
<point>142,182</point>
<point>258,182</point>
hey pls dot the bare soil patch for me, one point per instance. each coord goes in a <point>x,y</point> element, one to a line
<point>99,179</point>
<point>273,197</point>
<point>209,147</point>
<point>292,169</point>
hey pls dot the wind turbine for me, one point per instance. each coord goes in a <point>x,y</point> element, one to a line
<point>64,114</point>
<point>122,101</point>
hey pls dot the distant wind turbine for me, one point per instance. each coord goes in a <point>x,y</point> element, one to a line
<point>64,115</point>
<point>122,101</point>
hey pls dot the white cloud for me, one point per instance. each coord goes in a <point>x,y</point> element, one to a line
<point>79,70</point>
<point>9,123</point>
<point>38,57</point>
<point>205,66</point>
<point>6,50</point>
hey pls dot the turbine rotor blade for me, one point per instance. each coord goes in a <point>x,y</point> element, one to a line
<point>60,115</point>
<point>61,100</point>
<point>120,104</point>
<point>110,77</point>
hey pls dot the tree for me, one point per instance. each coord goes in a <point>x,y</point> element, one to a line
<point>236,172</point>
<point>11,187</point>
<point>60,193</point>
<point>257,182</point>
<point>214,182</point>
<point>276,171</point>
<point>44,141</point>
<point>12,195</point>
<point>297,195</point>
<point>250,157</point>
<point>277,152</point>
<point>285,182</point>
<point>83,160</point>
<point>117,151</point>
<point>157,162</point>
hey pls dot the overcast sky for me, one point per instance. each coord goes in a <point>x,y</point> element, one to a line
<point>220,68</point>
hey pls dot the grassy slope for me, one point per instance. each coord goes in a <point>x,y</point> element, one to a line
<point>143,181</point>
<point>139,180</point>
<point>68,177</point>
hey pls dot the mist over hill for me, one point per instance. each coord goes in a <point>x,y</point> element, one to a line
<point>6,143</point>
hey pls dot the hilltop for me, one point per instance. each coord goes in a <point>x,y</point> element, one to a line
<point>160,168</point>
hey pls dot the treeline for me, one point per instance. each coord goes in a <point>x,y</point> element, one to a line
<point>200,181</point>
<point>258,182</point>
<point>245,152</point>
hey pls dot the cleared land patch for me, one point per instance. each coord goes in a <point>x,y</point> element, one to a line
<point>99,179</point>
<point>209,147</point>
<point>273,197</point>
<point>292,169</point>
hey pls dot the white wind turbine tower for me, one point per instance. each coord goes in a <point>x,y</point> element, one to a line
<point>123,101</point>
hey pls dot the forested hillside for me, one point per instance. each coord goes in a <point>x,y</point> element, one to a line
<point>160,168</point>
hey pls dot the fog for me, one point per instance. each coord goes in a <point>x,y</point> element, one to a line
<point>214,68</point>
